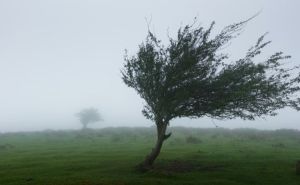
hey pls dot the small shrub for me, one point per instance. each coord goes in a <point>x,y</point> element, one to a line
<point>115,138</point>
<point>193,140</point>
<point>176,141</point>
<point>256,137</point>
<point>278,145</point>
<point>6,147</point>
<point>99,135</point>
<point>214,136</point>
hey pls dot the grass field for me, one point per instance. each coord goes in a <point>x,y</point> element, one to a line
<point>190,156</point>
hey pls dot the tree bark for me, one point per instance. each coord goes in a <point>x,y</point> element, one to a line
<point>298,168</point>
<point>161,137</point>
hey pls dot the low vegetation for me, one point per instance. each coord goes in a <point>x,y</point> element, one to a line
<point>108,156</point>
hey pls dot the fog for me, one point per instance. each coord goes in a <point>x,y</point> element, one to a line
<point>59,56</point>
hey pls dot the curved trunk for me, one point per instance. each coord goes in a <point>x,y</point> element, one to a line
<point>161,137</point>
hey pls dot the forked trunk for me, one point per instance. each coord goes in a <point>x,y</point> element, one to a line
<point>161,137</point>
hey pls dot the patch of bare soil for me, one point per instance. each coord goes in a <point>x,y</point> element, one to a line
<point>178,166</point>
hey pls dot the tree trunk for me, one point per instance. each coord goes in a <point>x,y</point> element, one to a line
<point>298,168</point>
<point>84,126</point>
<point>161,137</point>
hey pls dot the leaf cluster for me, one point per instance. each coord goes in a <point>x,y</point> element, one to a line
<point>190,78</point>
<point>89,115</point>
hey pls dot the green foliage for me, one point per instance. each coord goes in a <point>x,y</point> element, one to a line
<point>88,115</point>
<point>93,158</point>
<point>193,140</point>
<point>190,77</point>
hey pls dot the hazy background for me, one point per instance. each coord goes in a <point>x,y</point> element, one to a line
<point>59,56</point>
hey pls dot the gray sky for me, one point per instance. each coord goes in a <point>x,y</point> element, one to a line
<point>59,56</point>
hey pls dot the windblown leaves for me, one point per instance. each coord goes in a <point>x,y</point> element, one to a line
<point>189,78</point>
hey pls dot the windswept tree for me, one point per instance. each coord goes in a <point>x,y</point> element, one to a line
<point>191,77</point>
<point>87,116</point>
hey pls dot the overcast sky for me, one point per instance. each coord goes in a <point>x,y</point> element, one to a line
<point>59,56</point>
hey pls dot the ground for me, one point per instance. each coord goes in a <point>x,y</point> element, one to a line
<point>189,157</point>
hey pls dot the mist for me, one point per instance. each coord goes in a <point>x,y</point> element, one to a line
<point>59,56</point>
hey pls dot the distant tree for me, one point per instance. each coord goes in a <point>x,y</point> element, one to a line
<point>87,116</point>
<point>190,77</point>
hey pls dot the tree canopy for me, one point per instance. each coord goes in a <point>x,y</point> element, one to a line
<point>188,78</point>
<point>88,115</point>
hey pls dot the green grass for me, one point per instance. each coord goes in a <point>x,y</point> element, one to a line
<point>108,156</point>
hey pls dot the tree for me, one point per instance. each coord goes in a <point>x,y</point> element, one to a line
<point>191,77</point>
<point>87,116</point>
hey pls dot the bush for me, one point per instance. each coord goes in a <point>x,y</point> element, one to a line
<point>115,138</point>
<point>193,140</point>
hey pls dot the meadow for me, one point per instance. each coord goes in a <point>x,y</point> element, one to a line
<point>189,157</point>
